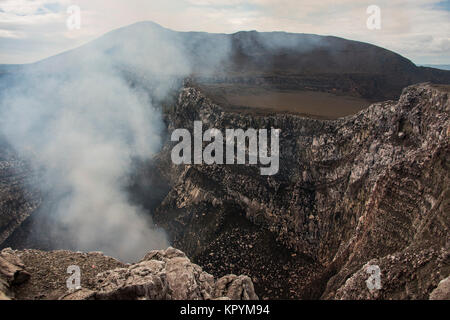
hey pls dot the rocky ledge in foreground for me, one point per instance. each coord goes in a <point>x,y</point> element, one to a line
<point>161,274</point>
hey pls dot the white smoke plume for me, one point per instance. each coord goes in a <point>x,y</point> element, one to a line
<point>76,118</point>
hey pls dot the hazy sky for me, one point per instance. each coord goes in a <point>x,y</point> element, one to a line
<point>418,29</point>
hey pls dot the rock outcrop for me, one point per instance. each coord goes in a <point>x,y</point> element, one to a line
<point>160,275</point>
<point>12,272</point>
<point>442,292</point>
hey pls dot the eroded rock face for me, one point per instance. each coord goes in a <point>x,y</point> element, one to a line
<point>18,197</point>
<point>368,186</point>
<point>442,292</point>
<point>369,189</point>
<point>409,274</point>
<point>12,272</point>
<point>160,275</point>
<point>235,288</point>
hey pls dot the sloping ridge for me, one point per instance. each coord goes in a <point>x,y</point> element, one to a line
<point>279,59</point>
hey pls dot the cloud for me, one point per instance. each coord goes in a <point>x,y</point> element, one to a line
<point>28,8</point>
<point>11,34</point>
